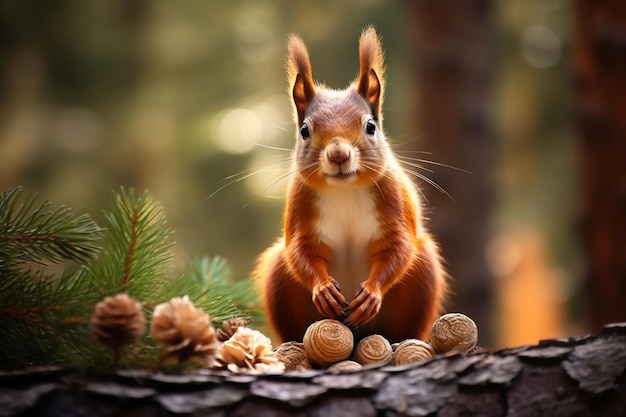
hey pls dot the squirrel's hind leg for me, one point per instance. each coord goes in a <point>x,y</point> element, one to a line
<point>288,305</point>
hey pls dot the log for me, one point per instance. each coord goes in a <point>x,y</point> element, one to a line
<point>577,376</point>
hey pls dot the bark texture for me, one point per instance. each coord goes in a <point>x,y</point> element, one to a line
<point>580,376</point>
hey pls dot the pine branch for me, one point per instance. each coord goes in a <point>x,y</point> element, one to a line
<point>44,318</point>
<point>136,258</point>
<point>30,233</point>
<point>208,283</point>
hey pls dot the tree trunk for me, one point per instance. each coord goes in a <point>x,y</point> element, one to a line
<point>451,46</point>
<point>600,86</point>
<point>582,376</point>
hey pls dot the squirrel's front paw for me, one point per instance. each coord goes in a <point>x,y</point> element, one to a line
<point>364,307</point>
<point>328,300</point>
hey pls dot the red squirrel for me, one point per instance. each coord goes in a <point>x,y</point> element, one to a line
<point>354,245</point>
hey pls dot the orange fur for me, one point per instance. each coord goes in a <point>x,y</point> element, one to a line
<point>354,246</point>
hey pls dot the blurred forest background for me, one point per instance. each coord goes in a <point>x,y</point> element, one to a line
<point>176,97</point>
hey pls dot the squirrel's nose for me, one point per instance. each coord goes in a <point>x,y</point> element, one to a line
<point>338,153</point>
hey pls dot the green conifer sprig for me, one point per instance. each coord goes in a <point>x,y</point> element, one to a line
<point>31,233</point>
<point>216,293</point>
<point>32,300</point>
<point>44,317</point>
<point>136,257</point>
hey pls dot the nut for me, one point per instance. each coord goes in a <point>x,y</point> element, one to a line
<point>373,349</point>
<point>453,331</point>
<point>346,365</point>
<point>328,341</point>
<point>412,350</point>
<point>292,354</point>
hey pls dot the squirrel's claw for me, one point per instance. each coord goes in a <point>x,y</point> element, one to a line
<point>329,301</point>
<point>363,308</point>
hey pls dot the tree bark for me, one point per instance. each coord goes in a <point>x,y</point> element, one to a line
<point>600,87</point>
<point>580,376</point>
<point>453,60</point>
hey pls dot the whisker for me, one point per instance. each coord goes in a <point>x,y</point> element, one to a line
<point>279,179</point>
<point>415,139</point>
<point>416,165</point>
<point>427,161</point>
<point>274,148</point>
<point>245,174</point>
<point>310,175</point>
<point>431,182</point>
<point>285,176</point>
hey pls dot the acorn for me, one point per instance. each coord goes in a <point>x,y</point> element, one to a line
<point>412,350</point>
<point>342,366</point>
<point>373,349</point>
<point>292,354</point>
<point>328,341</point>
<point>453,331</point>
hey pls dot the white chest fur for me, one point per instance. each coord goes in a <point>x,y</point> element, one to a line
<point>348,222</point>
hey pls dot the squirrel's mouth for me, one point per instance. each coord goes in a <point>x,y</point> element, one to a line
<point>342,176</point>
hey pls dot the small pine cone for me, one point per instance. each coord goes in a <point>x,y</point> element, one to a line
<point>250,351</point>
<point>117,321</point>
<point>184,331</point>
<point>229,327</point>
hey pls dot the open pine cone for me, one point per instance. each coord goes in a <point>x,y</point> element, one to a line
<point>249,351</point>
<point>229,327</point>
<point>184,331</point>
<point>117,321</point>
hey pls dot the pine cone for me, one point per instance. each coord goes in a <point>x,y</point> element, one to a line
<point>117,321</point>
<point>229,327</point>
<point>185,332</point>
<point>250,351</point>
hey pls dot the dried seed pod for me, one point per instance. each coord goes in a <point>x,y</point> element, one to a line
<point>373,349</point>
<point>229,327</point>
<point>328,341</point>
<point>250,351</point>
<point>346,365</point>
<point>453,331</point>
<point>184,331</point>
<point>292,354</point>
<point>117,321</point>
<point>412,350</point>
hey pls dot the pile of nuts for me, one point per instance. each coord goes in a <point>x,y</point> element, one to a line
<point>329,344</point>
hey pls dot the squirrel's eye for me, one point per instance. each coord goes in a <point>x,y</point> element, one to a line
<point>304,131</point>
<point>370,127</point>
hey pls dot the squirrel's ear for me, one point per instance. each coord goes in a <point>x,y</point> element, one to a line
<point>300,76</point>
<point>371,82</point>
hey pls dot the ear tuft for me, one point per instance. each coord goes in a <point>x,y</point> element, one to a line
<point>299,75</point>
<point>371,81</point>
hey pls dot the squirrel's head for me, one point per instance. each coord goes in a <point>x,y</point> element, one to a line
<point>339,138</point>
